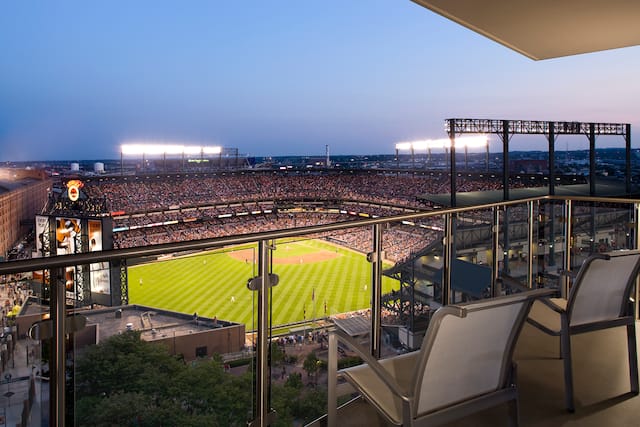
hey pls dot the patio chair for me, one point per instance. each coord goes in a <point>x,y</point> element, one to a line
<point>598,299</point>
<point>464,365</point>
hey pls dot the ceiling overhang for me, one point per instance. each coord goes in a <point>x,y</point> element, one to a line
<point>543,29</point>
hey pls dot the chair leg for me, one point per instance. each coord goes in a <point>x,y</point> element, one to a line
<point>565,341</point>
<point>514,413</point>
<point>513,405</point>
<point>633,356</point>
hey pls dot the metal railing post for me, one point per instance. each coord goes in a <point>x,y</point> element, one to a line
<point>531,244</point>
<point>495,237</point>
<point>262,283</point>
<point>568,230</point>
<point>262,374</point>
<point>636,239</point>
<point>57,365</point>
<point>447,259</point>
<point>376,290</point>
<point>568,211</point>
<point>332,380</point>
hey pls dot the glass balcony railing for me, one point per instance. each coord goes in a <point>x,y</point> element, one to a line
<point>233,330</point>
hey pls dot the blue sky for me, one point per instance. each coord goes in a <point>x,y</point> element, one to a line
<point>277,77</point>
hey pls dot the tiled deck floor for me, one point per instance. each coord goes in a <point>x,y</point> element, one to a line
<point>601,382</point>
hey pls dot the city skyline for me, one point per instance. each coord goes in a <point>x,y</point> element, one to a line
<point>280,79</point>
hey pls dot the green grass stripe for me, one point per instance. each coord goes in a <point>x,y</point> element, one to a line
<point>213,284</point>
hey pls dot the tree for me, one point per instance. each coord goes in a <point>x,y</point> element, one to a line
<point>277,354</point>
<point>310,364</point>
<point>126,381</point>
<point>125,363</point>
<point>296,405</point>
<point>294,381</point>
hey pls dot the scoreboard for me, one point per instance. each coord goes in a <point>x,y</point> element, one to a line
<point>66,231</point>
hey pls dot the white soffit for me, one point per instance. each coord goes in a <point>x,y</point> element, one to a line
<point>543,29</point>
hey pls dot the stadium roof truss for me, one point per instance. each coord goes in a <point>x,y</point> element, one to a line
<point>505,129</point>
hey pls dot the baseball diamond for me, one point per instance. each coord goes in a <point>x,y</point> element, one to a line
<point>317,279</point>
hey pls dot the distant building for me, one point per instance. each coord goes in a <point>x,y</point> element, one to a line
<point>23,194</point>
<point>191,336</point>
<point>529,166</point>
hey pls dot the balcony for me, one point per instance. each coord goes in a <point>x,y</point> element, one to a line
<point>410,265</point>
<point>601,382</point>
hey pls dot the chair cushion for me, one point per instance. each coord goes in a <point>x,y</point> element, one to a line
<point>402,368</point>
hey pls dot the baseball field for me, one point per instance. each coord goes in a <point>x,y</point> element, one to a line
<point>316,279</point>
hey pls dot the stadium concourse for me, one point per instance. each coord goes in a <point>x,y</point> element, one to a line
<point>151,209</point>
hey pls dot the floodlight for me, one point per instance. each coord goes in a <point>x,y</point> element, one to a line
<point>444,143</point>
<point>403,146</point>
<point>192,149</point>
<point>154,149</point>
<point>439,143</point>
<point>211,150</point>
<point>132,149</point>
<point>420,145</point>
<point>472,141</point>
<point>171,149</point>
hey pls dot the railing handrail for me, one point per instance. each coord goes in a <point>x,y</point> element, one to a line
<point>265,239</point>
<point>59,261</point>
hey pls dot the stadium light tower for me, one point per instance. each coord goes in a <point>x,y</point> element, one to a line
<point>137,148</point>
<point>466,142</point>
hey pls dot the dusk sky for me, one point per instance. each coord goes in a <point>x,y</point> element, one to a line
<point>279,77</point>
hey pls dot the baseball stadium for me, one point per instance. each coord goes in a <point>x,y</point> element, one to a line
<point>320,275</point>
<point>475,277</point>
<point>189,257</point>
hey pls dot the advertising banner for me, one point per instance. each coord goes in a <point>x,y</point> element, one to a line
<point>43,247</point>
<point>66,231</point>
<point>99,272</point>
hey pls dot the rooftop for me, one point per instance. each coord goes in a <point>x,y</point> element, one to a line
<point>7,186</point>
<point>151,322</point>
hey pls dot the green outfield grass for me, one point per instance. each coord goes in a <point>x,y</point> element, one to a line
<point>313,274</point>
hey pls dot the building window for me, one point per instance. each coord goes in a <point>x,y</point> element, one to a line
<point>201,351</point>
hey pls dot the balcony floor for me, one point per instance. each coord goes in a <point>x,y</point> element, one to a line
<point>601,384</point>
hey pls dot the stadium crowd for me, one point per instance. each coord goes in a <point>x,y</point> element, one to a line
<point>162,209</point>
<point>398,242</point>
<point>154,193</point>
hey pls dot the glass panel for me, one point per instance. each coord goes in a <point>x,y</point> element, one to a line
<point>549,231</point>
<point>23,360</point>
<point>471,269</point>
<point>412,282</point>
<point>322,278</point>
<point>600,227</point>
<point>515,219</point>
<point>178,353</point>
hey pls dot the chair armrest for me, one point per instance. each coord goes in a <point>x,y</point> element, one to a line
<point>516,284</point>
<point>552,305</point>
<point>373,363</point>
<point>569,273</point>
